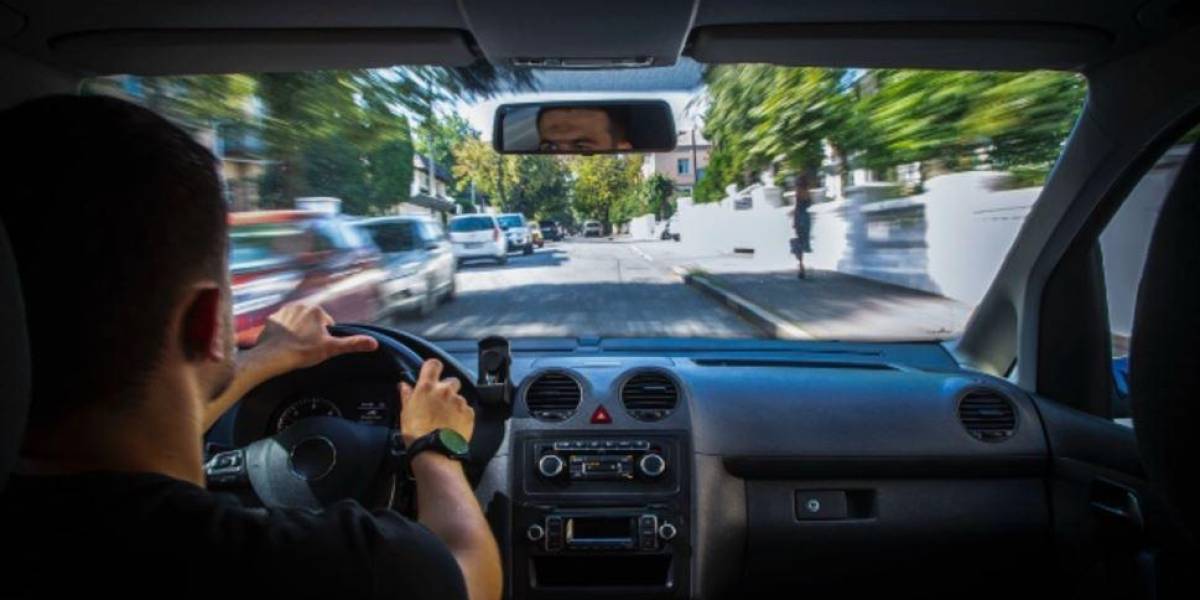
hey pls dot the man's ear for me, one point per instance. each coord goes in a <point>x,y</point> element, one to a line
<point>201,335</point>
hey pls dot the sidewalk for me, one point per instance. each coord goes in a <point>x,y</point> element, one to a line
<point>826,305</point>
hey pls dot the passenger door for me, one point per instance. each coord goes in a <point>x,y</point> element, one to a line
<point>1113,536</point>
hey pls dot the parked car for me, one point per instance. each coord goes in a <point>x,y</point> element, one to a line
<point>551,230</point>
<point>516,231</point>
<point>419,260</point>
<point>592,229</point>
<point>478,236</point>
<point>535,233</point>
<point>282,256</point>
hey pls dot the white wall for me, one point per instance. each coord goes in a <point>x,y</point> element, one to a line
<point>949,240</point>
<point>642,228</point>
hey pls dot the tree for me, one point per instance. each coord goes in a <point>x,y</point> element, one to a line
<point>1026,116</point>
<point>441,134</point>
<point>656,194</point>
<point>544,187</point>
<point>494,176</point>
<point>605,187</point>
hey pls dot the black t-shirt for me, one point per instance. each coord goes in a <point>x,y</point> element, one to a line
<point>138,535</point>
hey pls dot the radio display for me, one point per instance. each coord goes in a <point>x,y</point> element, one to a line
<point>600,530</point>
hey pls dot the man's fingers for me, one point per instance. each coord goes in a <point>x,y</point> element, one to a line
<point>431,372</point>
<point>354,343</point>
<point>405,393</point>
<point>453,383</point>
<point>326,320</point>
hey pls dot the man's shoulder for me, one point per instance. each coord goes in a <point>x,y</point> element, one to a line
<point>167,526</point>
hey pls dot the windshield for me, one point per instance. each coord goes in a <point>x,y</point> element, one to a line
<point>471,224</point>
<point>510,221</point>
<point>393,237</point>
<point>838,204</point>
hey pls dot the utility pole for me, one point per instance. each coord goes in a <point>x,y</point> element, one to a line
<point>500,181</point>
<point>695,161</point>
<point>429,126</point>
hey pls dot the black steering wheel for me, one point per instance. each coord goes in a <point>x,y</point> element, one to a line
<point>319,460</point>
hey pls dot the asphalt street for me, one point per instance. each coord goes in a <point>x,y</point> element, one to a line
<point>574,288</point>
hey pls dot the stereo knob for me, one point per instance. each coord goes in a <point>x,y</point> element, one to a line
<point>667,531</point>
<point>550,465</point>
<point>535,532</point>
<point>652,465</point>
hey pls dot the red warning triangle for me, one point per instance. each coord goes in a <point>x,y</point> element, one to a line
<point>601,416</point>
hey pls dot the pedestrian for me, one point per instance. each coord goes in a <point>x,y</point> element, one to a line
<point>801,223</point>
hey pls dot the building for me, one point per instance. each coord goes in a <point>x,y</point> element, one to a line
<point>684,165</point>
<point>421,202</point>
<point>239,146</point>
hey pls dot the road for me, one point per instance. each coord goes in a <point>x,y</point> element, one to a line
<point>576,288</point>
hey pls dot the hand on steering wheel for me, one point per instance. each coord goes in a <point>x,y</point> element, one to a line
<point>434,404</point>
<point>321,459</point>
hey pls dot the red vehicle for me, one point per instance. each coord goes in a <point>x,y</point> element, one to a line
<point>286,255</point>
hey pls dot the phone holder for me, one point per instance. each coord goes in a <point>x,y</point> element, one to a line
<point>495,359</point>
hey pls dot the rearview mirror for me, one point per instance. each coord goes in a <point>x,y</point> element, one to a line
<point>584,127</point>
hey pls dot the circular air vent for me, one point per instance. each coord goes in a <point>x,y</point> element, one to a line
<point>553,397</point>
<point>987,416</point>
<point>649,396</point>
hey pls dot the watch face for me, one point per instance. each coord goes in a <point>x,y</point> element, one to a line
<point>453,441</point>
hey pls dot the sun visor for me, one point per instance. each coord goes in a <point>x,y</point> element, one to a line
<point>959,45</point>
<point>161,52</point>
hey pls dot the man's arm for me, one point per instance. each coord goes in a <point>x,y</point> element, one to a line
<point>295,337</point>
<point>445,502</point>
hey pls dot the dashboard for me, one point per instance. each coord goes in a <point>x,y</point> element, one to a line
<point>368,402</point>
<point>704,469</point>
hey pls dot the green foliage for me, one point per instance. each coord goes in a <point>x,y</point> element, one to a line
<point>443,134</point>
<point>544,191</point>
<point>494,176</point>
<point>336,133</point>
<point>656,194</point>
<point>606,187</point>
<point>762,116</point>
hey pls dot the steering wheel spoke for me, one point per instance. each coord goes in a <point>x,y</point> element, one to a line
<point>319,459</point>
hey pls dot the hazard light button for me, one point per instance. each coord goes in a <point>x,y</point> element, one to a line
<point>601,416</point>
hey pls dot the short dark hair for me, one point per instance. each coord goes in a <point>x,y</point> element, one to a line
<point>112,212</point>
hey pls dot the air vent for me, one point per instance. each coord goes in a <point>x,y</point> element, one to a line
<point>987,416</point>
<point>649,396</point>
<point>553,397</point>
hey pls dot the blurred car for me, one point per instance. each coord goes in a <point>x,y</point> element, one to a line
<point>516,232</point>
<point>281,256</point>
<point>592,229</point>
<point>551,230</point>
<point>478,236</point>
<point>419,261</point>
<point>535,232</point>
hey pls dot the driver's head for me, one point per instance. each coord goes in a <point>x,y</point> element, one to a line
<point>581,129</point>
<point>117,222</point>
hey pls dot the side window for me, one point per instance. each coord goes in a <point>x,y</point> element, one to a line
<point>1123,246</point>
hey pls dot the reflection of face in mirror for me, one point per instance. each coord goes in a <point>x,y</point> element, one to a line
<point>581,130</point>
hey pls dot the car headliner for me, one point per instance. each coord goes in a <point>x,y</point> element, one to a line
<point>132,36</point>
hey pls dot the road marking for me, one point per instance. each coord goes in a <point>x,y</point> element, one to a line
<point>642,253</point>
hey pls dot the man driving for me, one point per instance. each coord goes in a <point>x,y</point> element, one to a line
<point>118,226</point>
<point>581,129</point>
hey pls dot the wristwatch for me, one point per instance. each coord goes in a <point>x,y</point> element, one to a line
<point>445,441</point>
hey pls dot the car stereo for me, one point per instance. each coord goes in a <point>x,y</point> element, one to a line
<point>606,512</point>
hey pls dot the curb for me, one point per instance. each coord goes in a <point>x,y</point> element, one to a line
<point>762,318</point>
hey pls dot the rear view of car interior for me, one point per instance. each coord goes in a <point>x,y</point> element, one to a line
<point>1003,463</point>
